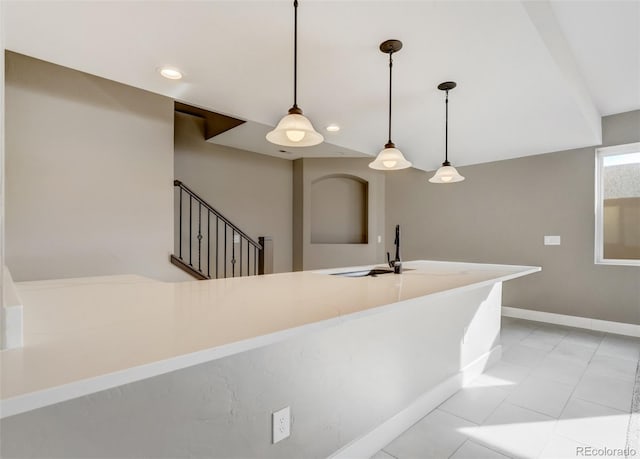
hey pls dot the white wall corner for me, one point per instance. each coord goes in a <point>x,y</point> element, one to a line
<point>11,330</point>
<point>544,20</point>
<point>618,328</point>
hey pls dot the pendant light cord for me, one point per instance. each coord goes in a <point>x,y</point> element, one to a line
<point>295,54</point>
<point>446,129</point>
<point>390,76</point>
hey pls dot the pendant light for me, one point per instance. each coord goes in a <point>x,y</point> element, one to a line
<point>295,130</point>
<point>447,173</point>
<point>390,159</point>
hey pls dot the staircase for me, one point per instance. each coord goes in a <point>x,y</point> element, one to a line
<point>209,246</point>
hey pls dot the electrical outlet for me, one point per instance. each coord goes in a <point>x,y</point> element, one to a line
<point>236,238</point>
<point>281,424</point>
<point>379,239</point>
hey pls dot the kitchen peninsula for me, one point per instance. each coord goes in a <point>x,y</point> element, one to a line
<point>226,353</point>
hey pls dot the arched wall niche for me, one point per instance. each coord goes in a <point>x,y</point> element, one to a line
<point>339,209</point>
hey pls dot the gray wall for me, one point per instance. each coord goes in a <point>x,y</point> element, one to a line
<point>500,214</point>
<point>2,168</point>
<point>309,255</point>
<point>253,191</point>
<point>89,170</point>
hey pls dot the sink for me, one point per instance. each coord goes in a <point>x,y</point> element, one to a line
<point>365,272</point>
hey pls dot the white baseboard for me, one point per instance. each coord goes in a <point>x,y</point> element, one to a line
<point>11,327</point>
<point>11,313</point>
<point>618,328</point>
<point>370,443</point>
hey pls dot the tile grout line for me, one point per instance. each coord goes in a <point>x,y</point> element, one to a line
<point>578,382</point>
<point>582,377</point>
<point>530,375</point>
<point>633,429</point>
<point>570,396</point>
<point>456,450</point>
<point>595,403</point>
<point>564,407</point>
<point>492,447</point>
<point>563,436</point>
<point>518,343</point>
<point>633,434</point>
<point>503,453</point>
<point>479,443</point>
<point>454,414</point>
<point>556,420</point>
<point>575,386</point>
<point>533,410</point>
<point>388,453</point>
<point>457,415</point>
<point>602,405</point>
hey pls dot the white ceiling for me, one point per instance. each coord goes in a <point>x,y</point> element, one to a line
<point>605,39</point>
<point>533,77</point>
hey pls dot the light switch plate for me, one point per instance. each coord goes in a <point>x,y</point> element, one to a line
<point>552,240</point>
<point>281,424</point>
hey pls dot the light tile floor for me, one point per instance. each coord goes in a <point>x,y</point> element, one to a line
<point>556,389</point>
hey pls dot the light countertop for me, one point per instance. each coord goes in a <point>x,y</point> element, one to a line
<point>90,334</point>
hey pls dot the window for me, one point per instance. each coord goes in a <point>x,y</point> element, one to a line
<point>618,205</point>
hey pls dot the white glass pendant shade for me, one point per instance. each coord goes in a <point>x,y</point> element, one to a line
<point>390,159</point>
<point>446,174</point>
<point>295,130</point>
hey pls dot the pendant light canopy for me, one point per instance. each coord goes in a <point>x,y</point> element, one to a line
<point>295,130</point>
<point>390,159</point>
<point>447,173</point>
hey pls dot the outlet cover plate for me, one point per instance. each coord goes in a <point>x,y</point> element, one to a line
<point>281,424</point>
<point>552,240</point>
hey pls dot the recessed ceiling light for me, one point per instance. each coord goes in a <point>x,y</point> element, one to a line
<point>333,128</point>
<point>171,73</point>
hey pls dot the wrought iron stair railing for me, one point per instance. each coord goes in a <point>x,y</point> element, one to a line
<point>209,246</point>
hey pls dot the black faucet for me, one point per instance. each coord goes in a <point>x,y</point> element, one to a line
<point>396,264</point>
